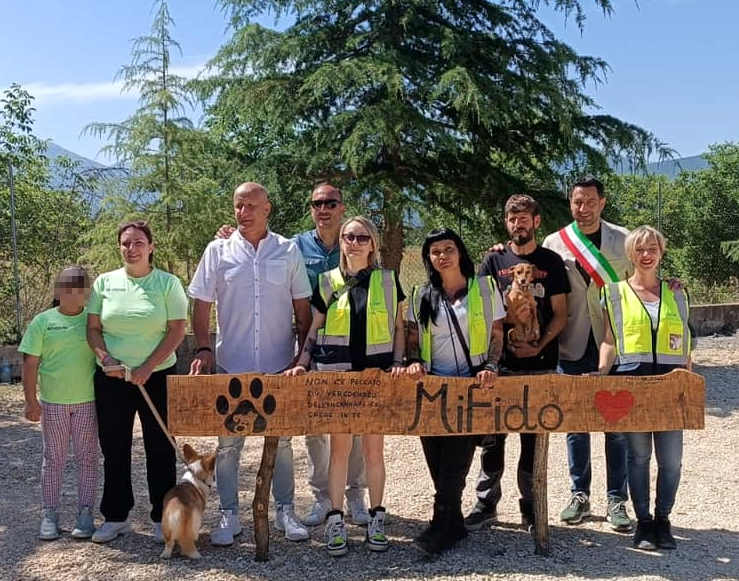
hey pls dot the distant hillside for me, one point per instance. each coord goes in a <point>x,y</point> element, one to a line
<point>671,167</point>
<point>53,151</point>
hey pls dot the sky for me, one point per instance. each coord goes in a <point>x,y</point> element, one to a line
<point>673,63</point>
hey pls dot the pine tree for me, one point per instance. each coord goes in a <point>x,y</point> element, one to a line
<point>456,103</point>
<point>147,142</point>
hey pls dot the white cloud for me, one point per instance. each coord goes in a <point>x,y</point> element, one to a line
<point>86,92</point>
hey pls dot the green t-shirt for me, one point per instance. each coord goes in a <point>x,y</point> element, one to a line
<point>134,313</point>
<point>67,362</point>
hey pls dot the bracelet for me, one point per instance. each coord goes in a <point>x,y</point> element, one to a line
<point>201,349</point>
<point>491,367</point>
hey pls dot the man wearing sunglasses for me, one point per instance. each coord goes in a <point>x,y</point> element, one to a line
<point>320,250</point>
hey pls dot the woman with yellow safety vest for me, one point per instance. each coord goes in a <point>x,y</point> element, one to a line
<point>357,324</point>
<point>455,328</point>
<point>648,335</point>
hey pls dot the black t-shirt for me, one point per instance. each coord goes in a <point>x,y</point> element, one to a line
<point>358,321</point>
<point>550,278</point>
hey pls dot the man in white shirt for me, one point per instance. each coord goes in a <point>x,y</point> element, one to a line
<point>258,281</point>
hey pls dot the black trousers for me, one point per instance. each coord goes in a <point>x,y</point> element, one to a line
<point>449,459</point>
<point>492,460</point>
<point>117,402</point>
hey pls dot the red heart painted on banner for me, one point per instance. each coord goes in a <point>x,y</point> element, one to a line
<point>614,406</point>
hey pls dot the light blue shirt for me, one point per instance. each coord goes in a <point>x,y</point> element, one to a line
<point>316,256</point>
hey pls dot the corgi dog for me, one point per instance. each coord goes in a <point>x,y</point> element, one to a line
<point>185,503</point>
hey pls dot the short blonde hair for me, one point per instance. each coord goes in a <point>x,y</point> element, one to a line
<point>641,235</point>
<point>373,260</point>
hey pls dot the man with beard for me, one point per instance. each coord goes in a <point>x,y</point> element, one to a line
<point>549,288</point>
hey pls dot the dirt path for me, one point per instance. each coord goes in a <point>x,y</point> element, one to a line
<point>705,519</point>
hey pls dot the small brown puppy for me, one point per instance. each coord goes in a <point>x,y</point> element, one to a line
<point>185,503</point>
<point>522,305</point>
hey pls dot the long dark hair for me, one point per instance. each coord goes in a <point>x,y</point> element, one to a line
<point>432,291</point>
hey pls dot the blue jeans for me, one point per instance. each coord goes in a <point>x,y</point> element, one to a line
<point>227,472</point>
<point>668,447</point>
<point>578,448</point>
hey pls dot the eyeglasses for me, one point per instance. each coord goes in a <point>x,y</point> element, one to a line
<point>330,204</point>
<point>362,239</point>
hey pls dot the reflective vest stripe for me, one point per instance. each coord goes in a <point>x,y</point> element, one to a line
<point>380,318</point>
<point>634,338</point>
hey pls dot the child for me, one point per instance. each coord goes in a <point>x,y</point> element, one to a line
<point>56,356</point>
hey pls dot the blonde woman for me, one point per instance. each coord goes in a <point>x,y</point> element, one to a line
<point>648,335</point>
<point>357,324</point>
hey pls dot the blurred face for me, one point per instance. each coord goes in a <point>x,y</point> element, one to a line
<point>135,247</point>
<point>646,255</point>
<point>251,209</point>
<point>71,290</point>
<point>586,207</point>
<point>521,226</point>
<point>326,207</point>
<point>444,256</point>
<point>356,243</point>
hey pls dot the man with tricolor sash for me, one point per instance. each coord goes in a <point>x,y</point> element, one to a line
<point>594,255</point>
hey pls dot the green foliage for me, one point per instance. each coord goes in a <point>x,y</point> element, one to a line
<point>49,221</point>
<point>456,105</point>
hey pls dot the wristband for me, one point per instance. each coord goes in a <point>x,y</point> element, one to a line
<point>201,349</point>
<point>491,367</point>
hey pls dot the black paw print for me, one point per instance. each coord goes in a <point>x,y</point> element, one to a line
<point>246,413</point>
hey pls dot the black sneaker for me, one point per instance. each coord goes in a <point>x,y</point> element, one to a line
<point>430,541</point>
<point>663,534</point>
<point>527,515</point>
<point>644,536</point>
<point>481,516</point>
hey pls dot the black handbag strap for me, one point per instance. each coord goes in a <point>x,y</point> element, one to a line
<point>460,336</point>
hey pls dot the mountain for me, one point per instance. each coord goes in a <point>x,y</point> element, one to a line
<point>53,151</point>
<point>670,168</point>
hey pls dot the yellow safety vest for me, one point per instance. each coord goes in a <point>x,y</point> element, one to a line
<point>481,296</point>
<point>382,308</point>
<point>635,340</point>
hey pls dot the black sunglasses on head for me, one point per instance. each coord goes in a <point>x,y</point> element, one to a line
<point>330,204</point>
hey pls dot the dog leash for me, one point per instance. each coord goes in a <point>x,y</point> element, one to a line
<point>157,417</point>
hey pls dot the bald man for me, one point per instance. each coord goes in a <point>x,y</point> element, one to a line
<point>257,280</point>
<point>320,250</point>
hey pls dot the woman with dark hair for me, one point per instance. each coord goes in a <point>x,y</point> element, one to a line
<point>136,320</point>
<point>455,328</point>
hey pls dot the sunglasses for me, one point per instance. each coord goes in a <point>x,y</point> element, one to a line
<point>330,204</point>
<point>362,239</point>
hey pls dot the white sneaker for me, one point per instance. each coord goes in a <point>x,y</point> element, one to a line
<point>229,527</point>
<point>156,531</point>
<point>49,529</point>
<point>335,534</point>
<point>109,531</point>
<point>317,514</point>
<point>285,520</point>
<point>84,528</point>
<point>376,539</point>
<point>357,510</point>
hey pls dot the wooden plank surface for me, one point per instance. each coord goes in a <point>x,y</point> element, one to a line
<point>372,402</point>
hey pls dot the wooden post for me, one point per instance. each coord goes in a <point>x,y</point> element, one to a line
<point>541,510</point>
<point>260,505</point>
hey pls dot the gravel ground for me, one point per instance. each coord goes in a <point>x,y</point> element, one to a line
<point>705,519</point>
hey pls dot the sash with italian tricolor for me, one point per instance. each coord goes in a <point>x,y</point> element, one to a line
<point>588,255</point>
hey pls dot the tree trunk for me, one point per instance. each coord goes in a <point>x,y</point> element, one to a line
<point>260,505</point>
<point>391,250</point>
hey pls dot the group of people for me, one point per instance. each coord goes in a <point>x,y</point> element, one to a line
<point>600,303</point>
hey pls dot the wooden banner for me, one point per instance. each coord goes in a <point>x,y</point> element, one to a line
<point>372,402</point>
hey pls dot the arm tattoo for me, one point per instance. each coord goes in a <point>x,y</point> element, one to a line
<point>495,349</point>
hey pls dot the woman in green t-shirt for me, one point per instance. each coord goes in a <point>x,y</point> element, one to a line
<point>136,319</point>
<point>57,359</point>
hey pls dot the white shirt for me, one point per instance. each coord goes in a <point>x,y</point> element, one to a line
<point>447,355</point>
<point>253,291</point>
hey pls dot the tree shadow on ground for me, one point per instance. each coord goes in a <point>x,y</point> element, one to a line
<point>722,398</point>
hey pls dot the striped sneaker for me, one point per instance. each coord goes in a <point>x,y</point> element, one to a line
<point>376,539</point>
<point>335,534</point>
